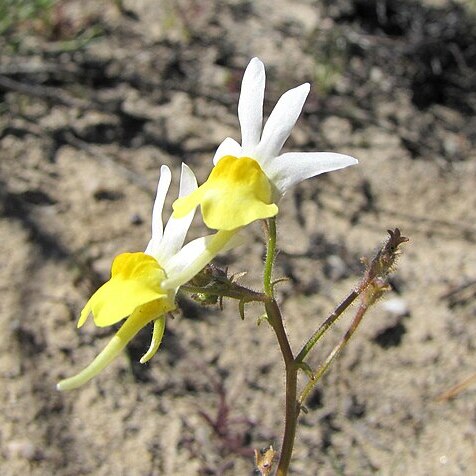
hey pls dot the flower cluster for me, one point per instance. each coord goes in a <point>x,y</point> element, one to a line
<point>246,184</point>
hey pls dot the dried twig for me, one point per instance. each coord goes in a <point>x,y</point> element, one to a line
<point>456,389</point>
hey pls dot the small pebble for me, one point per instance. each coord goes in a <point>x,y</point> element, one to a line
<point>396,306</point>
<point>136,219</point>
<point>21,449</point>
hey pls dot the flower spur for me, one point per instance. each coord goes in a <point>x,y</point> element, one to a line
<point>142,286</point>
<point>248,180</point>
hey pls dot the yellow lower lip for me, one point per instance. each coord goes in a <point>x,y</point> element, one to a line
<point>236,193</point>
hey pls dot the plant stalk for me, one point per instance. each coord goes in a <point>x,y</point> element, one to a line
<point>275,319</point>
<point>332,356</point>
<point>270,255</point>
<point>276,322</point>
<point>324,327</point>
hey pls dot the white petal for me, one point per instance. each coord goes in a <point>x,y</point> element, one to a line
<point>228,147</point>
<point>194,256</point>
<point>288,169</point>
<point>157,226</point>
<point>250,105</point>
<point>188,181</point>
<point>279,125</point>
<point>177,228</point>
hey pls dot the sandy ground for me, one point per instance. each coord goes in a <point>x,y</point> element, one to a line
<point>95,100</point>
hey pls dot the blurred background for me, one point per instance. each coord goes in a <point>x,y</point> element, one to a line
<point>96,95</point>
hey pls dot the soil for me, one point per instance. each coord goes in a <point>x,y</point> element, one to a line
<point>96,95</point>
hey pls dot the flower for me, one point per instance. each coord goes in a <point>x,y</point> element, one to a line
<point>142,286</point>
<point>248,180</point>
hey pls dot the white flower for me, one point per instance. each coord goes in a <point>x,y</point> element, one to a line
<point>248,180</point>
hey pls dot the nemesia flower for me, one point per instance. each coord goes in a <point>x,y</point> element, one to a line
<point>248,180</point>
<point>142,286</point>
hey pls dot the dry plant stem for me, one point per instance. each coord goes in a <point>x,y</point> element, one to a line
<point>334,353</point>
<point>373,285</point>
<point>456,389</point>
<point>374,275</point>
<point>324,327</point>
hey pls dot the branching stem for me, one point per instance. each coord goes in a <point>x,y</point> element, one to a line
<point>324,327</point>
<point>370,288</point>
<point>333,354</point>
<point>276,321</point>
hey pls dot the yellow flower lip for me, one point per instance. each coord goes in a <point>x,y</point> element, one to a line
<point>135,281</point>
<point>236,193</point>
<point>134,291</point>
<point>142,286</point>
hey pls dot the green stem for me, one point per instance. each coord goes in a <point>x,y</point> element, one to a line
<point>270,255</point>
<point>275,319</point>
<point>235,291</point>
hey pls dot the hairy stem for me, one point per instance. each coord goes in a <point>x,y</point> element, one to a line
<point>270,255</point>
<point>235,291</point>
<point>324,327</point>
<point>334,353</point>
<point>276,322</point>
